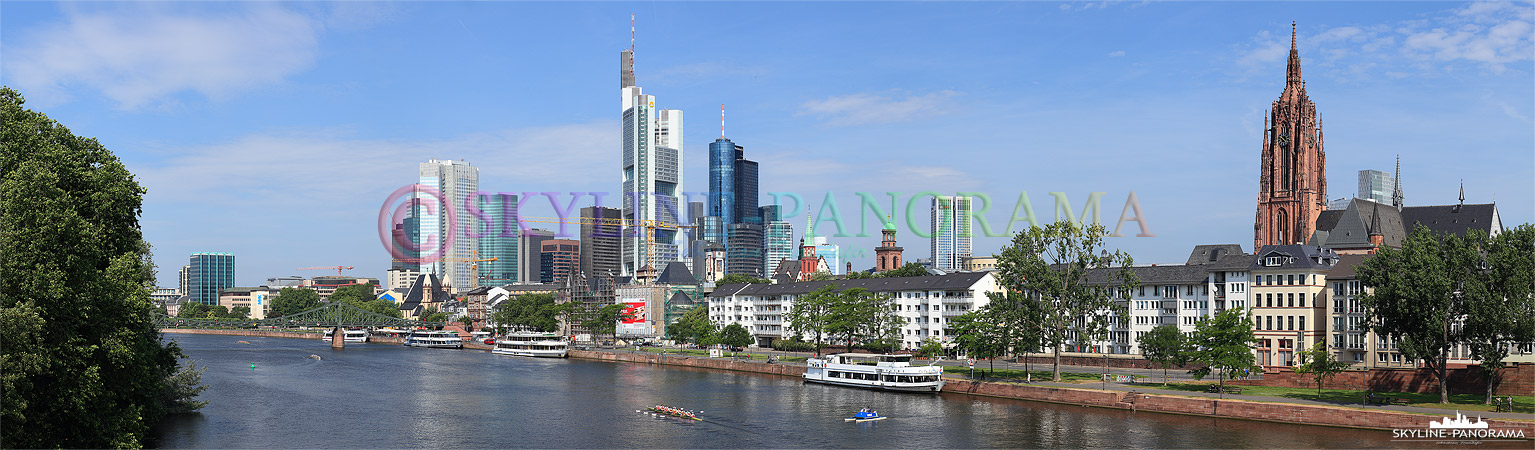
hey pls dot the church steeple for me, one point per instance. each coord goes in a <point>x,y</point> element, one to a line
<point>1292,179</point>
<point>1292,71</point>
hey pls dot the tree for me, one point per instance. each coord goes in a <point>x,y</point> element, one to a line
<point>291,300</point>
<point>537,312</point>
<point>858,315</point>
<point>1052,263</point>
<point>822,276</point>
<point>381,306</point>
<point>354,294</point>
<point>193,310</point>
<point>908,270</point>
<point>975,333</point>
<point>217,312</point>
<point>694,326</point>
<point>734,336</point>
<point>433,315</point>
<point>1166,346</point>
<point>239,312</point>
<point>605,319</point>
<point>1320,363</point>
<point>930,348</point>
<point>1419,293</point>
<point>736,278</point>
<point>82,365</point>
<point>810,314</point>
<point>1501,311</point>
<point>1223,342</point>
<point>859,275</point>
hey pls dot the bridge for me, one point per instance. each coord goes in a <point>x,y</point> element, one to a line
<point>336,315</point>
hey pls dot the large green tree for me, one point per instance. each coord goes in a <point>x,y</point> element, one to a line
<point>908,270</point>
<point>734,336</point>
<point>1052,263</point>
<point>355,294</point>
<point>1501,301</point>
<point>1166,346</point>
<point>694,326</point>
<point>82,364</point>
<point>736,278</point>
<point>536,312</point>
<point>604,321</point>
<point>975,333</point>
<point>291,300</point>
<point>1418,294</point>
<point>810,314</point>
<point>857,315</point>
<point>1320,364</point>
<point>1224,343</point>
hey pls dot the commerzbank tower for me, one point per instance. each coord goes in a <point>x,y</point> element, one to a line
<point>652,174</point>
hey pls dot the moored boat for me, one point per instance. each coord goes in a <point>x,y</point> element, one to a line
<point>434,339</point>
<point>539,345</point>
<point>351,336</point>
<point>887,372</point>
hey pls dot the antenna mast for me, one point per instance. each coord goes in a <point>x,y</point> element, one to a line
<point>722,120</point>
<point>631,45</point>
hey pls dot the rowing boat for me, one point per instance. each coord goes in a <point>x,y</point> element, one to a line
<point>672,412</point>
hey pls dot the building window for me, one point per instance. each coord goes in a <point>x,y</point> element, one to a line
<point>1292,323</point>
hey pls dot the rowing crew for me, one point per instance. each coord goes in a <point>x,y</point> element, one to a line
<point>674,411</point>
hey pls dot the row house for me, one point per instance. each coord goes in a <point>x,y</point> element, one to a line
<point>1289,300</point>
<point>1214,278</point>
<point>925,304</point>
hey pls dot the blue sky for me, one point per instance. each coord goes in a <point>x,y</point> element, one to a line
<point>276,130</point>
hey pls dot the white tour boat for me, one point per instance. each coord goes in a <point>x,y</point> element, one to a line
<point>434,339</point>
<point>542,345</point>
<point>888,372</point>
<point>351,336</point>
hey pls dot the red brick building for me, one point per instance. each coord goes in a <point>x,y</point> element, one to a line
<point>1292,179</point>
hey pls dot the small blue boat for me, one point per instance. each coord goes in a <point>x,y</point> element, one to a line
<point>865,415</point>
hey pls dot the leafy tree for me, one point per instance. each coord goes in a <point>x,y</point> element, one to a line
<point>974,333</point>
<point>291,300</point>
<point>859,275</point>
<point>1166,346</point>
<point>930,348</point>
<point>694,326</point>
<point>1419,292</point>
<point>537,312</point>
<point>239,312</point>
<point>822,276</point>
<point>1052,263</point>
<point>381,306</point>
<point>1501,308</point>
<point>433,315</point>
<point>811,313</point>
<point>1320,363</point>
<point>734,336</point>
<point>82,364</point>
<point>355,294</point>
<point>467,322</point>
<point>193,310</point>
<point>911,269</point>
<point>1223,342</point>
<point>737,278</point>
<point>217,312</point>
<point>604,321</point>
<point>858,315</point>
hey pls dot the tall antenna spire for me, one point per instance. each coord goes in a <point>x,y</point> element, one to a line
<point>722,120</point>
<point>631,44</point>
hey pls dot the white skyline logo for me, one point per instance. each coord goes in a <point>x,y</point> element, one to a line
<point>1459,422</point>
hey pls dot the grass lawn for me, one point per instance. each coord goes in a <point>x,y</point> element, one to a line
<point>694,352</point>
<point>1463,402</point>
<point>1019,375</point>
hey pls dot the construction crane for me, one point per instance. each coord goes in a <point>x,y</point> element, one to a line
<point>338,269</point>
<point>646,273</point>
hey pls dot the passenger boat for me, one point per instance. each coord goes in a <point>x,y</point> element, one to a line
<point>865,415</point>
<point>358,335</point>
<point>434,339</point>
<point>541,345</point>
<point>672,412</point>
<point>887,372</point>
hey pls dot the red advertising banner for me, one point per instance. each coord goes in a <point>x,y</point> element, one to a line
<point>636,310</point>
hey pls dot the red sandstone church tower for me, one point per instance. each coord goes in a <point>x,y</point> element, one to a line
<point>887,256</point>
<point>1292,182</point>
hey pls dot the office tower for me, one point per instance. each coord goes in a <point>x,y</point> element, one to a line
<point>207,274</point>
<point>530,244</point>
<point>695,236</point>
<point>600,243</point>
<point>746,188</point>
<point>1376,186</point>
<point>950,228</point>
<point>778,237</point>
<point>743,249</point>
<point>183,285</point>
<point>498,239</point>
<point>558,258</point>
<point>722,179</point>
<point>652,177</point>
<point>455,182</point>
<point>829,251</point>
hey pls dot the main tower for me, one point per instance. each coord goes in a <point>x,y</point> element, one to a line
<point>1292,179</point>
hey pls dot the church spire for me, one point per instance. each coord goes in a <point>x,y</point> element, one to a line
<point>1396,191</point>
<point>1292,71</point>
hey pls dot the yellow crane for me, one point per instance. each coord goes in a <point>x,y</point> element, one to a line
<point>646,273</point>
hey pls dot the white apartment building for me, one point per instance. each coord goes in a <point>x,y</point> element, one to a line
<point>1214,278</point>
<point>926,304</point>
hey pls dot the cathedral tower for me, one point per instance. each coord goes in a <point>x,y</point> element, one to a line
<point>1292,182</point>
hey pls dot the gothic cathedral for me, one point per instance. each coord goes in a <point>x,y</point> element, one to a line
<point>1292,182</point>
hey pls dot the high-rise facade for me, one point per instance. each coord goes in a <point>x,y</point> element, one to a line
<point>207,274</point>
<point>777,239</point>
<point>743,249</point>
<point>831,253</point>
<point>530,244</point>
<point>498,239</point>
<point>600,241</point>
<point>722,179</point>
<point>1376,186</point>
<point>652,177</point>
<point>183,282</point>
<point>558,258</point>
<point>1292,178</point>
<point>455,182</point>
<point>950,228</point>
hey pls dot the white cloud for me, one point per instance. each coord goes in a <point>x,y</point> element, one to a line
<point>1116,53</point>
<point>864,108</point>
<point>141,54</point>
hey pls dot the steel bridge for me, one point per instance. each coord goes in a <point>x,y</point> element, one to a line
<point>337,315</point>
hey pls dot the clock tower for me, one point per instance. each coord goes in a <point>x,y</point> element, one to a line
<point>1292,178</point>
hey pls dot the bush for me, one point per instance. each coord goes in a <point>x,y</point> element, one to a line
<point>792,345</point>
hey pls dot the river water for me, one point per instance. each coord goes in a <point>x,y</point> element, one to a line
<point>391,396</point>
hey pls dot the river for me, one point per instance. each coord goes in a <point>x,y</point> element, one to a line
<point>391,396</point>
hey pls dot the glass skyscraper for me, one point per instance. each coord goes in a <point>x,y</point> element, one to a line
<point>499,240</point>
<point>652,178</point>
<point>950,231</point>
<point>207,274</point>
<point>778,238</point>
<point>455,181</point>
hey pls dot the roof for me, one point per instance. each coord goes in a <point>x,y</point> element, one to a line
<point>1352,226</point>
<point>1454,219</point>
<point>1233,263</point>
<point>1159,274</point>
<point>676,273</point>
<point>1345,267</point>
<point>419,292</point>
<point>681,299</point>
<point>891,284</point>
<point>1297,257</point>
<point>1210,253</point>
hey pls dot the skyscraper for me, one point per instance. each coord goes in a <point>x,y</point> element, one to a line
<point>651,173</point>
<point>600,242</point>
<point>530,244</point>
<point>1376,186</point>
<point>207,274</point>
<point>557,259</point>
<point>950,227</point>
<point>830,252</point>
<point>722,179</point>
<point>743,249</point>
<point>455,182</point>
<point>499,241</point>
<point>778,238</point>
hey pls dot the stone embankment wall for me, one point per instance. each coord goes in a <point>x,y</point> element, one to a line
<point>1517,380</point>
<point>790,369</point>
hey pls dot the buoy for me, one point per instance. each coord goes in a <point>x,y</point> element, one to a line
<point>253,366</point>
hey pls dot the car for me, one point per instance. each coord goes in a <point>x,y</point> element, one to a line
<point>490,341</point>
